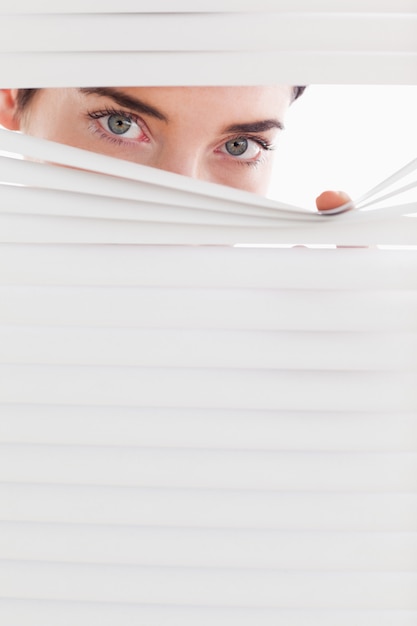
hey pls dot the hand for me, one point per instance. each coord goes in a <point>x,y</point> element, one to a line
<point>331,200</point>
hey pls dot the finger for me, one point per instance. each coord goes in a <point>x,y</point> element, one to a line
<point>331,200</point>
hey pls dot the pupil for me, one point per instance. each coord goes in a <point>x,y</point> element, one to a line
<point>236,147</point>
<point>119,124</point>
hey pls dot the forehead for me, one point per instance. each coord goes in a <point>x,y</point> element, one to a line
<point>237,104</point>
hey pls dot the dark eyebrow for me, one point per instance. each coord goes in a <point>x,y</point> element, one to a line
<point>125,100</point>
<point>254,127</point>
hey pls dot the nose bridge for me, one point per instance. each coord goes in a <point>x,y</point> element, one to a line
<point>180,158</point>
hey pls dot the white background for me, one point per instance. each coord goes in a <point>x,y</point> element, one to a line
<point>347,137</point>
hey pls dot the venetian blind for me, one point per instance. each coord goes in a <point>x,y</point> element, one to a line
<point>202,434</point>
<point>230,43</point>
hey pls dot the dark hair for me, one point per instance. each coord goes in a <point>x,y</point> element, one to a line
<point>298,90</point>
<point>24,97</point>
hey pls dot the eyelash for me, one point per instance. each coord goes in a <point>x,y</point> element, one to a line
<point>265,145</point>
<point>97,115</point>
<point>259,140</point>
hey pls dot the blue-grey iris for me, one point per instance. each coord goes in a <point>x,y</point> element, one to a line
<point>119,124</point>
<point>237,147</point>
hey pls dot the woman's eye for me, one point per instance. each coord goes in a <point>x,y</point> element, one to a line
<point>121,125</point>
<point>242,147</point>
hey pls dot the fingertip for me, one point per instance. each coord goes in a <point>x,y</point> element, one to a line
<point>331,200</point>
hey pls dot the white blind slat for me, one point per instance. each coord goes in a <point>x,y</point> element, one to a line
<point>60,203</point>
<point>192,586</point>
<point>197,267</point>
<point>237,309</point>
<point>205,6</point>
<point>253,389</point>
<point>398,231</point>
<point>205,508</point>
<point>208,349</point>
<point>16,612</point>
<point>171,547</point>
<point>233,32</point>
<point>40,189</point>
<point>216,429</point>
<point>211,68</point>
<point>209,469</point>
<point>169,191</point>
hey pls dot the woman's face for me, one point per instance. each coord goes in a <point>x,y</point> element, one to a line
<point>224,135</point>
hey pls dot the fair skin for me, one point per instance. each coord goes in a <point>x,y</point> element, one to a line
<point>225,135</point>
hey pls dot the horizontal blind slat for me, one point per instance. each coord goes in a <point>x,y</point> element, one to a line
<point>197,267</point>
<point>209,469</point>
<point>206,6</point>
<point>203,6</point>
<point>193,428</point>
<point>321,32</point>
<point>183,586</point>
<point>398,230</point>
<point>22,345</point>
<point>309,551</point>
<point>127,178</point>
<point>63,204</point>
<point>239,309</point>
<point>16,612</point>
<point>202,508</point>
<point>23,70</point>
<point>97,192</point>
<point>271,390</point>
